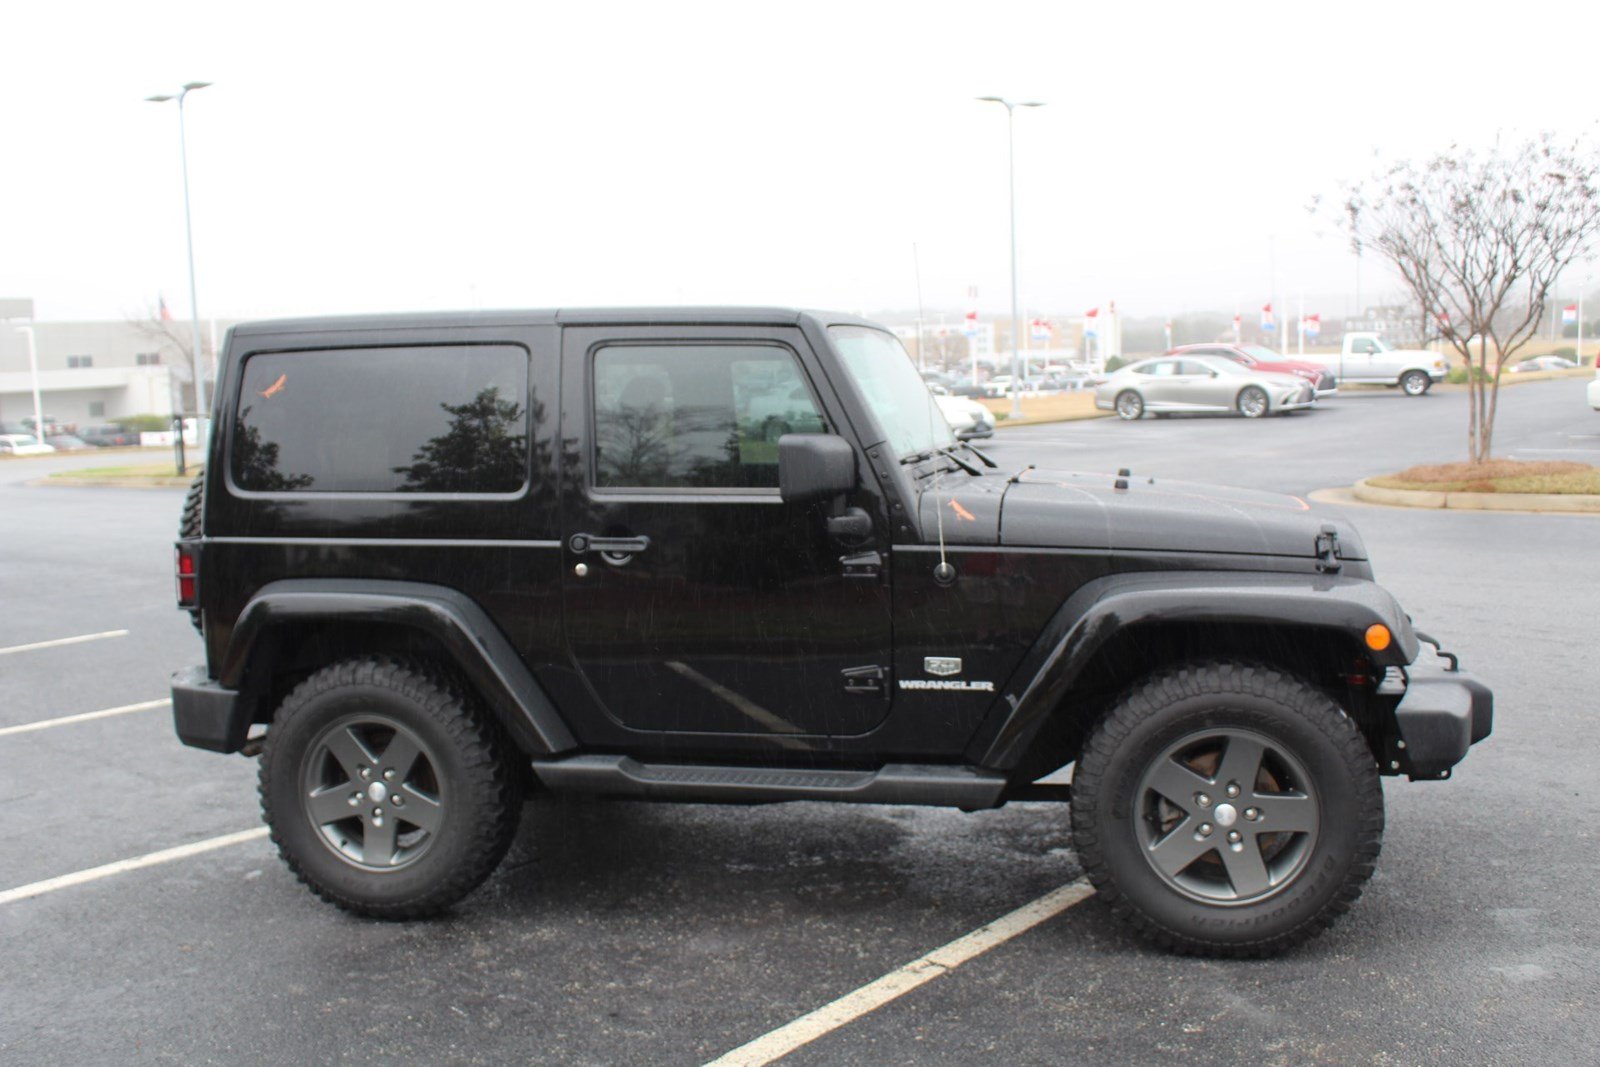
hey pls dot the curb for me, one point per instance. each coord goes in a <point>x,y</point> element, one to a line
<point>1569,503</point>
<point>109,483</point>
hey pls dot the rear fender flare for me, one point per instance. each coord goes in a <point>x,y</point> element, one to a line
<point>475,645</point>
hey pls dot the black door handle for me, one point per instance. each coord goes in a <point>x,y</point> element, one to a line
<point>607,546</point>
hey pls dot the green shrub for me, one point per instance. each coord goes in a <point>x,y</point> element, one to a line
<point>1566,352</point>
<point>1115,363</point>
<point>145,423</point>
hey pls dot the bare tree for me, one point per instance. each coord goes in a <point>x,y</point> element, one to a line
<point>1479,238</point>
<point>174,336</point>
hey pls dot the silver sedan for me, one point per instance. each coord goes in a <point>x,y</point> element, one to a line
<point>1200,383</point>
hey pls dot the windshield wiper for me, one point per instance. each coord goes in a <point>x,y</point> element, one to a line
<point>984,456</point>
<point>948,452</point>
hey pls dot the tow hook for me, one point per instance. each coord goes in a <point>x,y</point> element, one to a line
<point>1455,662</point>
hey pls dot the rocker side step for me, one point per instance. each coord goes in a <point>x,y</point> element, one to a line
<point>895,783</point>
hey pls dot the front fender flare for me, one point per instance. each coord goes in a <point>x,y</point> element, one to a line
<point>476,646</point>
<point>1107,606</point>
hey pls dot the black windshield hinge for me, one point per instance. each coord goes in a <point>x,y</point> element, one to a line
<point>1327,547</point>
<point>861,565</point>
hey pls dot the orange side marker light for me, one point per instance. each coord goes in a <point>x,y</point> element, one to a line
<point>1378,637</point>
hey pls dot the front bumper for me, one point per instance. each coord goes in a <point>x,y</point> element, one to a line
<point>205,714</point>
<point>1443,713</point>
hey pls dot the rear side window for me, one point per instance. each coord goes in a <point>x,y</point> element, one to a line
<point>423,419</point>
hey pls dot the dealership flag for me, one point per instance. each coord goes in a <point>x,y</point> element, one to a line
<point>1088,321</point>
<point>1569,314</point>
<point>166,316</point>
<point>971,325</point>
<point>1267,321</point>
<point>1311,325</point>
<point>1041,329</point>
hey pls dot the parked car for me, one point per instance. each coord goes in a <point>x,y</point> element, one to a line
<point>1538,363</point>
<point>1368,359</point>
<point>66,442</point>
<point>1200,383</point>
<point>108,436</point>
<point>968,418</point>
<point>22,444</point>
<point>1259,357</point>
<point>606,593</point>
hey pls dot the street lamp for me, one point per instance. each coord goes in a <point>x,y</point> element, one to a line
<point>1016,319</point>
<point>188,228</point>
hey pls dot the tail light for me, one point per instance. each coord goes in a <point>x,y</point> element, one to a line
<point>187,574</point>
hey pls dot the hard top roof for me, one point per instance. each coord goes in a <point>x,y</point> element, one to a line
<point>632,316</point>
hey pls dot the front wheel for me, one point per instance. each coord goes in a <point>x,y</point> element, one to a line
<point>1227,809</point>
<point>1415,383</point>
<point>1130,406</point>
<point>1253,402</point>
<point>386,788</point>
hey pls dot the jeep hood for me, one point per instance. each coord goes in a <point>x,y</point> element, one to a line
<point>1039,508</point>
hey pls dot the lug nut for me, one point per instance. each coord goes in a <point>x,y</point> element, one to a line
<point>355,800</point>
<point>364,771</point>
<point>1252,814</point>
<point>1233,789</point>
<point>388,774</point>
<point>397,800</point>
<point>1202,800</point>
<point>1205,829</point>
<point>377,813</point>
<point>1234,836</point>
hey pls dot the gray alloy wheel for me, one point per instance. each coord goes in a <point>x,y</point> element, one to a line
<point>370,790</point>
<point>1130,405</point>
<point>1415,383</point>
<point>1227,816</point>
<point>1226,809</point>
<point>387,787</point>
<point>1253,402</point>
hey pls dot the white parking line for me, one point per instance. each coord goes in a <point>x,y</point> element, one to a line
<point>874,995</point>
<point>68,720</point>
<point>94,874</point>
<point>58,642</point>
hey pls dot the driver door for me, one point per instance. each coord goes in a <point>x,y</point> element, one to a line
<point>695,599</point>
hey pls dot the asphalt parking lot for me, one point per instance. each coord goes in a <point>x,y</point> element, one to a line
<point>624,933</point>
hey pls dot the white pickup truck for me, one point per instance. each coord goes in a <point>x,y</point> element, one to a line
<point>1365,358</point>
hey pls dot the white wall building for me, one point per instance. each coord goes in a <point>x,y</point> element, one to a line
<point>93,372</point>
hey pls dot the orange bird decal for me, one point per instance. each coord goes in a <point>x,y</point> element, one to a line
<point>275,388</point>
<point>962,513</point>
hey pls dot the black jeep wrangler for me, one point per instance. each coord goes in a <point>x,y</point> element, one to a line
<point>736,555</point>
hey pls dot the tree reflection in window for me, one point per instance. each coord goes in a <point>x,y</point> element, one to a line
<point>255,462</point>
<point>479,452</point>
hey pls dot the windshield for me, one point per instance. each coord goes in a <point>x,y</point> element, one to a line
<point>1259,352</point>
<point>891,386</point>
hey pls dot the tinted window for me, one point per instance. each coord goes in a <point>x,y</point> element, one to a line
<point>696,416</point>
<point>438,419</point>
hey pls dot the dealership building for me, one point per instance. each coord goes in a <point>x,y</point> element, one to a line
<point>95,372</point>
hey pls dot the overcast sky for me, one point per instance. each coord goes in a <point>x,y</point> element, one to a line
<point>356,157</point>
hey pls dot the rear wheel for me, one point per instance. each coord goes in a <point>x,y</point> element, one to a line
<point>1253,402</point>
<point>1130,405</point>
<point>386,788</point>
<point>1415,383</point>
<point>1227,809</point>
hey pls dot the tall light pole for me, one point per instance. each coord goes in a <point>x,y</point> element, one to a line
<point>188,230</point>
<point>1016,318</point>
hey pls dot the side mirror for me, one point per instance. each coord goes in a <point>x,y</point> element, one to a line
<point>814,466</point>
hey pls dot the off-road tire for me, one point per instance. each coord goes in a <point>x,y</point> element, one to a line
<point>1415,383</point>
<point>475,781</point>
<point>189,525</point>
<point>1165,709</point>
<point>1130,406</point>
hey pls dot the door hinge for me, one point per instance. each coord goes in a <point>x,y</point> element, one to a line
<point>864,681</point>
<point>862,565</point>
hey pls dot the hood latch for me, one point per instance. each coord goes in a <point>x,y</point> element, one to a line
<point>1327,547</point>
